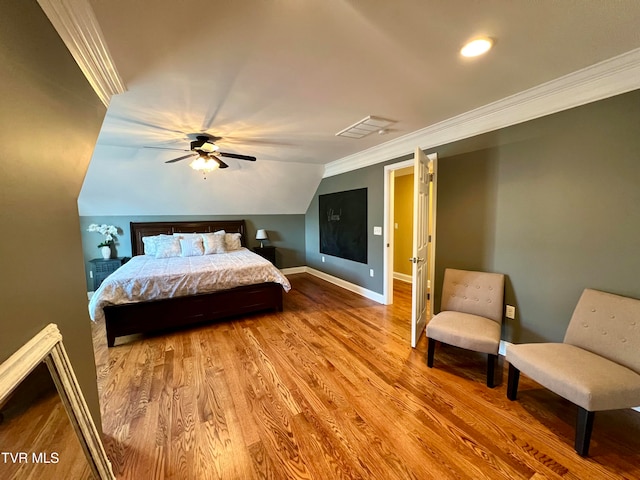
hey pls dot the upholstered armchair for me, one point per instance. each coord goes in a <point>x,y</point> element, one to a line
<point>470,316</point>
<point>597,367</point>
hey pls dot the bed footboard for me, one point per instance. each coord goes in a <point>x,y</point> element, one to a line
<point>175,312</point>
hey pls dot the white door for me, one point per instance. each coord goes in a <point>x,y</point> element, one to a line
<point>420,271</point>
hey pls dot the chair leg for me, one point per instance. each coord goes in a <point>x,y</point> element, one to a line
<point>584,426</point>
<point>512,382</point>
<point>491,369</point>
<point>431,346</point>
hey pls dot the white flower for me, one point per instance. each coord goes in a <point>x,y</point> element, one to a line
<point>107,230</point>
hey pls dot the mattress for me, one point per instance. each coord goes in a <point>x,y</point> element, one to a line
<point>145,278</point>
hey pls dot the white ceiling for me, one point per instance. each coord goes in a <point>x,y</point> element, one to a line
<point>278,78</point>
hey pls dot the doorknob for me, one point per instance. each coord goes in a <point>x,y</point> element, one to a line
<point>416,259</point>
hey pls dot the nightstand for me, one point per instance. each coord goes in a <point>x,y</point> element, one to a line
<point>101,269</point>
<point>267,252</point>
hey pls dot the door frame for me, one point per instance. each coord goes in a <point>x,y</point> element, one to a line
<point>389,231</point>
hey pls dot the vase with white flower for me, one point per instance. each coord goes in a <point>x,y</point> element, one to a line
<point>109,232</point>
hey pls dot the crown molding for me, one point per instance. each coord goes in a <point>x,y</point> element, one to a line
<point>78,27</point>
<point>608,78</point>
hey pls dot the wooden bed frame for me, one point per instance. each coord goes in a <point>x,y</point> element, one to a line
<point>144,317</point>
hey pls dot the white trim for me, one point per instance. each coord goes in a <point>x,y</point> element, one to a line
<point>293,270</point>
<point>78,27</point>
<point>47,346</point>
<point>19,365</point>
<point>346,285</point>
<point>502,349</point>
<point>610,77</point>
<point>403,277</point>
<point>387,259</point>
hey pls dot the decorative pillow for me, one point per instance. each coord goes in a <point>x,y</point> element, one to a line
<point>168,247</point>
<point>191,246</point>
<point>186,235</point>
<point>232,241</point>
<point>213,243</point>
<point>150,243</point>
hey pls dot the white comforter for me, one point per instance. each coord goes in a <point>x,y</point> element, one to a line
<point>147,278</point>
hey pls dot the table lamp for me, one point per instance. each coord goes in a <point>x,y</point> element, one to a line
<point>261,235</point>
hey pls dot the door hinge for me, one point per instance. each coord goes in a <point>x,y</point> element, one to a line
<point>431,177</point>
<point>429,239</point>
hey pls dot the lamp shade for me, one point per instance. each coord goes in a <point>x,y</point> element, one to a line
<point>261,234</point>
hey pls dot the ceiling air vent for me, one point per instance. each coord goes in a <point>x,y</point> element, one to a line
<point>366,126</point>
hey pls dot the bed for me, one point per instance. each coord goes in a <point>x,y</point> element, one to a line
<point>185,305</point>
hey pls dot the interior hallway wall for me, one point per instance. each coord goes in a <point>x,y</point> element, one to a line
<point>49,123</point>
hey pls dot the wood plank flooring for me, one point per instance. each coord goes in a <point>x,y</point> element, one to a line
<point>330,389</point>
<point>37,440</point>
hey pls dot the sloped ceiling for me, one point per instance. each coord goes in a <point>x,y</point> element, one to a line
<point>278,78</point>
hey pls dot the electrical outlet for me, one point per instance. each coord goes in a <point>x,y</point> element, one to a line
<point>371,272</point>
<point>511,312</point>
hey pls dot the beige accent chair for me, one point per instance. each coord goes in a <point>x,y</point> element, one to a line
<point>597,367</point>
<point>470,316</point>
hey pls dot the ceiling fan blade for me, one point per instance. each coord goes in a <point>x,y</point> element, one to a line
<point>169,148</point>
<point>239,157</point>
<point>220,162</point>
<point>181,158</point>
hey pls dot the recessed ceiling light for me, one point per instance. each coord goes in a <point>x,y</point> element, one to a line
<point>476,47</point>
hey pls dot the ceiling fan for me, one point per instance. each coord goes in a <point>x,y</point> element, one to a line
<point>206,150</point>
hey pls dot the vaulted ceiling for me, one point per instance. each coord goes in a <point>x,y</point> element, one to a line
<point>278,79</point>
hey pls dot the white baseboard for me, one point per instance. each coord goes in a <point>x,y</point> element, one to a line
<point>502,349</point>
<point>377,297</point>
<point>293,270</point>
<point>403,277</point>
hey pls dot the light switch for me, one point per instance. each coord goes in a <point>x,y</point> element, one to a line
<point>377,230</point>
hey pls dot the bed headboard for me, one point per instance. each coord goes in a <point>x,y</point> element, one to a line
<point>147,229</point>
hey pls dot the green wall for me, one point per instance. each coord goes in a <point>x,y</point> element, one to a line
<point>49,122</point>
<point>552,203</point>
<point>286,233</point>
<point>371,178</point>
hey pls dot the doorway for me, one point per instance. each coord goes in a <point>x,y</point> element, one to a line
<point>390,264</point>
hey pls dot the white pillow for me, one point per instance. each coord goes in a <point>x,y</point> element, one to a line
<point>150,243</point>
<point>213,243</point>
<point>186,235</point>
<point>168,247</point>
<point>232,241</point>
<point>191,246</point>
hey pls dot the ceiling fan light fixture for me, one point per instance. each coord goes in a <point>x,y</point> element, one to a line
<point>477,47</point>
<point>209,147</point>
<point>204,164</point>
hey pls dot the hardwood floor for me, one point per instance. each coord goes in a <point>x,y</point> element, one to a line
<point>330,388</point>
<point>37,439</point>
